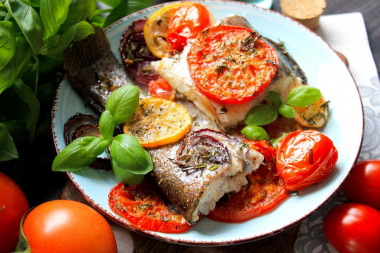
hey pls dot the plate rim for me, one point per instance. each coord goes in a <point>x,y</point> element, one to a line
<point>154,235</point>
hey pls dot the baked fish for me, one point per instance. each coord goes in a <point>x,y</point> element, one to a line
<point>193,173</point>
<point>176,71</point>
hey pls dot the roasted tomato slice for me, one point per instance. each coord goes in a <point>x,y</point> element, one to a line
<point>304,158</point>
<point>263,192</point>
<point>186,22</point>
<point>145,208</point>
<point>160,88</point>
<point>231,65</point>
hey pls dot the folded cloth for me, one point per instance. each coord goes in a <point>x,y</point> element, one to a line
<point>347,34</point>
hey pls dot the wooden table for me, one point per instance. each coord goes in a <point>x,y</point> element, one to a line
<point>33,173</point>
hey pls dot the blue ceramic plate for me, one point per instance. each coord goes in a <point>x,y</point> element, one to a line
<point>324,70</point>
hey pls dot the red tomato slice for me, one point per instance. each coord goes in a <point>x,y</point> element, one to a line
<point>305,158</point>
<point>231,65</point>
<point>160,88</point>
<point>144,208</point>
<point>186,22</point>
<point>263,192</point>
<point>353,228</point>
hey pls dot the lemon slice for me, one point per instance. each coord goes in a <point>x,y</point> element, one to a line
<point>158,121</point>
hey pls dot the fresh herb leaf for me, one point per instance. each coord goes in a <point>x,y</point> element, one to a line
<point>28,21</point>
<point>130,161</point>
<point>7,43</point>
<point>287,111</point>
<point>80,153</point>
<point>261,115</point>
<point>276,141</point>
<point>11,72</point>
<point>274,98</point>
<point>57,43</point>
<point>8,150</point>
<point>79,10</point>
<point>255,133</point>
<point>106,125</point>
<point>27,96</point>
<point>124,8</point>
<point>303,95</point>
<point>122,103</point>
<point>53,15</point>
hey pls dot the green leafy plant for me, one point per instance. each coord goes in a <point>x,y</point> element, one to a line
<point>33,35</point>
<point>262,115</point>
<point>130,161</point>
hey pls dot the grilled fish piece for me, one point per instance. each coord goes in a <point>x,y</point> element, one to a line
<point>194,178</point>
<point>175,71</point>
<point>93,70</point>
<point>201,169</point>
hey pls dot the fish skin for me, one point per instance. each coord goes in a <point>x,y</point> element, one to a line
<point>94,72</point>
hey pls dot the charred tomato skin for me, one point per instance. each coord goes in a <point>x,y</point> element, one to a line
<point>353,228</point>
<point>304,158</point>
<point>363,183</point>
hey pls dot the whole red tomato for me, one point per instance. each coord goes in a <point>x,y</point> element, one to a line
<point>304,158</point>
<point>353,228</point>
<point>13,205</point>
<point>363,183</point>
<point>68,226</point>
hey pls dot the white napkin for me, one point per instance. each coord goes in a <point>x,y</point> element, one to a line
<point>347,34</point>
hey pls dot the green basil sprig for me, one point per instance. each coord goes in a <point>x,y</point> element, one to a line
<point>130,161</point>
<point>262,115</point>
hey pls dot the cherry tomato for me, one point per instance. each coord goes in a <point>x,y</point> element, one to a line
<point>363,183</point>
<point>231,65</point>
<point>264,191</point>
<point>186,22</point>
<point>160,88</point>
<point>145,208</point>
<point>305,158</point>
<point>68,226</point>
<point>353,228</point>
<point>13,205</point>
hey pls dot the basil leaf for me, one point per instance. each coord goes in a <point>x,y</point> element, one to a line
<point>276,141</point>
<point>79,154</point>
<point>112,3</point>
<point>28,21</point>
<point>122,103</point>
<point>7,43</point>
<point>255,133</point>
<point>275,98</point>
<point>128,158</point>
<point>106,125</point>
<point>79,10</point>
<point>8,150</point>
<point>53,15</point>
<point>97,20</point>
<point>261,115</point>
<point>16,65</point>
<point>33,3</point>
<point>124,8</point>
<point>303,96</point>
<point>287,111</point>
<point>57,43</point>
<point>27,96</point>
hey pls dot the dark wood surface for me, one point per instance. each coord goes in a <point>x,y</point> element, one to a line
<point>33,171</point>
